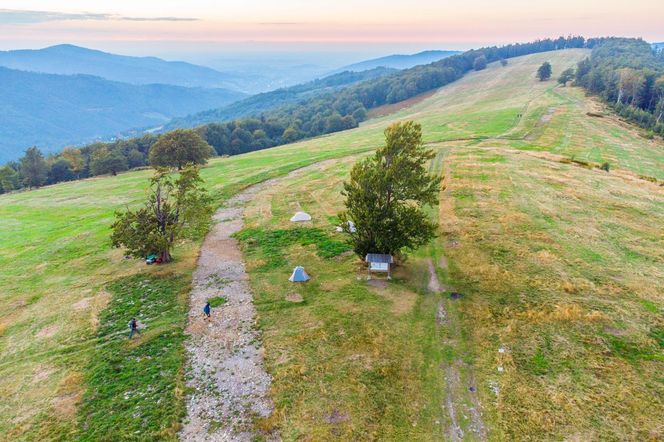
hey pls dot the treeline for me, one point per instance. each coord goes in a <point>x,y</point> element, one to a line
<point>346,108</point>
<point>266,101</point>
<point>35,170</point>
<point>629,75</point>
<point>307,117</point>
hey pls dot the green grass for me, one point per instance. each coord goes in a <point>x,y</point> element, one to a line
<point>135,387</point>
<point>56,261</point>
<point>217,301</point>
<point>558,263</point>
<point>346,362</point>
<point>274,243</point>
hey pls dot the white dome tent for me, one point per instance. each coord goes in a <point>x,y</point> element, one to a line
<point>301,217</point>
<point>299,275</point>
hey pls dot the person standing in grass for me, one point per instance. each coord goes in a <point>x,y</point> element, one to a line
<point>206,310</point>
<point>133,327</point>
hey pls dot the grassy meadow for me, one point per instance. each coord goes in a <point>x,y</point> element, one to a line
<point>558,331</point>
<point>56,264</point>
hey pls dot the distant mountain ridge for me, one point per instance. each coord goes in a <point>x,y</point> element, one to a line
<point>256,104</point>
<point>399,61</point>
<point>51,111</point>
<point>68,59</point>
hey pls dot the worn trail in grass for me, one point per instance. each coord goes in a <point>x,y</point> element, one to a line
<point>561,273</point>
<point>55,266</point>
<point>228,385</point>
<point>559,266</point>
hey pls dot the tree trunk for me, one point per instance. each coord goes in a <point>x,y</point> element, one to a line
<point>165,256</point>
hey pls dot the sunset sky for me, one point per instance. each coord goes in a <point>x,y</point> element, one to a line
<point>174,27</point>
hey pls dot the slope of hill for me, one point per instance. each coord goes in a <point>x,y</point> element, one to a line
<point>68,59</point>
<point>257,104</point>
<point>51,111</point>
<point>343,109</point>
<point>399,61</point>
<point>658,46</point>
<point>557,332</point>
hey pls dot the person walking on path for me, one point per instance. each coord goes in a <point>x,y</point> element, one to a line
<point>206,310</point>
<point>133,327</point>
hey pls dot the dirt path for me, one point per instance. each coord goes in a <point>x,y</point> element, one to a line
<point>461,404</point>
<point>434,283</point>
<point>228,384</point>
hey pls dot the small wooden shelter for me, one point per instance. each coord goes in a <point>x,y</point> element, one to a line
<point>379,262</point>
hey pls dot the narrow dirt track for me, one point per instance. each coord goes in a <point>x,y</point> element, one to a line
<point>227,382</point>
<point>460,387</point>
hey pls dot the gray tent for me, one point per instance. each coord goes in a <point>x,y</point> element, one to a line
<point>299,275</point>
<point>301,217</point>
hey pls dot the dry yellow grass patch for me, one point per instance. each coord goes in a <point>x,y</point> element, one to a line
<point>402,300</point>
<point>553,258</point>
<point>68,395</point>
<point>565,312</point>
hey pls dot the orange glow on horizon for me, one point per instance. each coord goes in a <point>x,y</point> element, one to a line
<point>343,21</point>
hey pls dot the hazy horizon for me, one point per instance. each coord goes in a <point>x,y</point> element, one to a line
<point>202,30</point>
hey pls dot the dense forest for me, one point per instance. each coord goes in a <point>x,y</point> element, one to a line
<point>261,103</point>
<point>629,75</point>
<point>307,117</point>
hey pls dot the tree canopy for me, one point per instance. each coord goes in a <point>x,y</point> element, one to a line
<point>566,76</point>
<point>106,161</point>
<point>178,148</point>
<point>33,168</point>
<point>60,171</point>
<point>334,103</point>
<point>386,193</point>
<point>479,63</point>
<point>9,179</point>
<point>177,207</point>
<point>629,76</point>
<point>544,71</point>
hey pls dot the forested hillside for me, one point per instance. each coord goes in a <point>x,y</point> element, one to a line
<point>260,103</point>
<point>629,75</point>
<point>309,117</point>
<point>331,112</point>
<point>52,111</point>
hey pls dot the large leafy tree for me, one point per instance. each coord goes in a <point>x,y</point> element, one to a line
<point>106,161</point>
<point>34,169</point>
<point>178,148</point>
<point>8,179</point>
<point>659,99</point>
<point>386,194</point>
<point>480,63</point>
<point>60,170</point>
<point>75,159</point>
<point>566,76</point>
<point>544,71</point>
<point>178,207</point>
